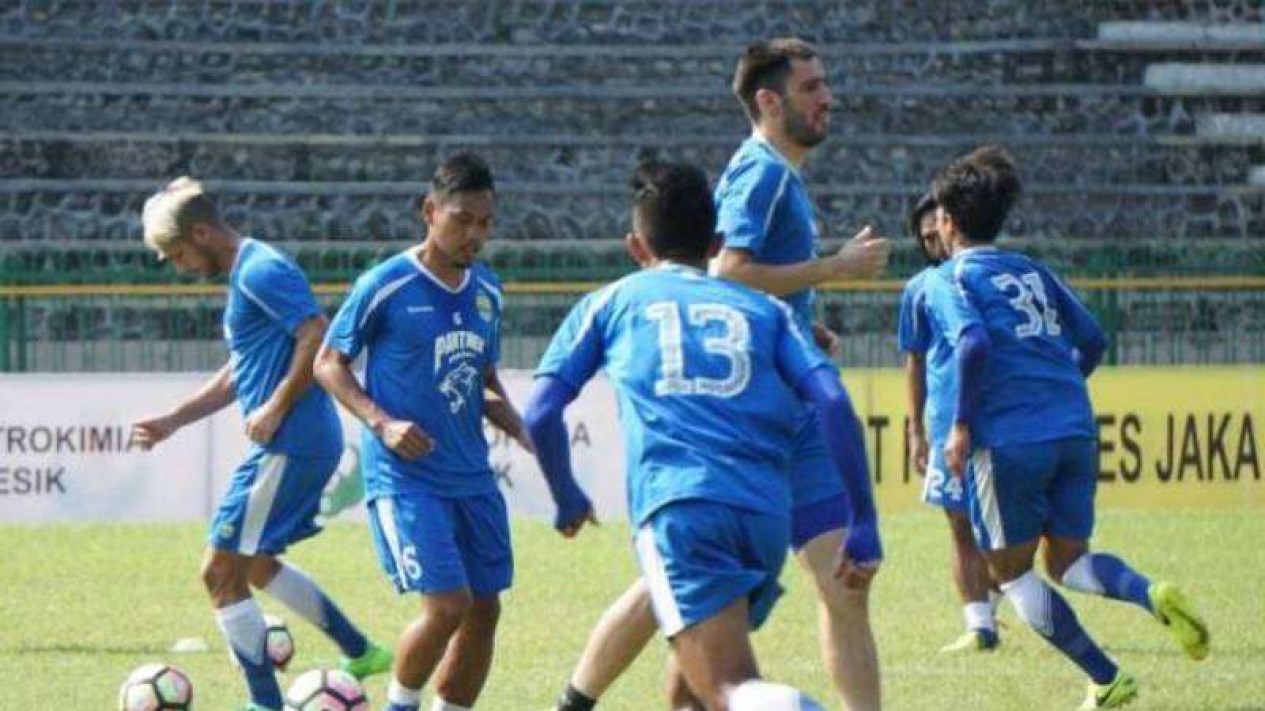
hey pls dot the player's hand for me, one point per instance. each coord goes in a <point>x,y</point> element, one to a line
<point>262,424</point>
<point>862,257</point>
<point>859,556</point>
<point>919,448</point>
<point>828,340</point>
<point>405,439</point>
<point>958,449</point>
<point>149,432</point>
<point>570,530</point>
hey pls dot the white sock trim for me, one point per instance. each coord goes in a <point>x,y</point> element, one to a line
<point>398,693</point>
<point>243,625</point>
<point>294,589</point>
<point>1080,576</point>
<point>979,616</point>
<point>1030,596</point>
<point>441,705</point>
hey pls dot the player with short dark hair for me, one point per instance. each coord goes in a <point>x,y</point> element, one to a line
<point>932,392</point>
<point>766,219</point>
<point>273,327</point>
<point>429,319</point>
<point>1024,345</point>
<point>705,371</point>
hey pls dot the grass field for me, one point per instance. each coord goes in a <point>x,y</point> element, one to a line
<point>82,605</point>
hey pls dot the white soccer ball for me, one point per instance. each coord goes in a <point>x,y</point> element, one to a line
<point>326,690</point>
<point>767,696</point>
<point>279,642</point>
<point>156,687</point>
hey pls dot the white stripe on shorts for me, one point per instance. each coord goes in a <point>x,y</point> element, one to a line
<point>986,493</point>
<point>259,504</point>
<point>652,568</point>
<point>385,510</point>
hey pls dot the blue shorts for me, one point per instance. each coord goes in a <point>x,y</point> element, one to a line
<point>817,501</point>
<point>1017,493</point>
<point>940,488</point>
<point>698,557</point>
<point>271,503</point>
<point>432,544</point>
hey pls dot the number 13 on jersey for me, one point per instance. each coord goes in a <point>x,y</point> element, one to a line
<point>733,345</point>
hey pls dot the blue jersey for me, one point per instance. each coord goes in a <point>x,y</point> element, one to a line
<point>705,371</point>
<point>762,207</point>
<point>918,332</point>
<point>268,298</point>
<point>1035,391</point>
<point>429,347</point>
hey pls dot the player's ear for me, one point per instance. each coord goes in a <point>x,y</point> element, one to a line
<point>637,249</point>
<point>769,103</point>
<point>428,210</point>
<point>713,249</point>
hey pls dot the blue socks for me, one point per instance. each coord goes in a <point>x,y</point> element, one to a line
<point>1105,574</point>
<point>1048,613</point>
<point>243,625</point>
<point>293,588</point>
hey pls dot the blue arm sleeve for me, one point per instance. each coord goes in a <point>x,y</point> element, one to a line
<point>1086,334</point>
<point>842,431</point>
<point>972,365</point>
<point>543,420</point>
<point>1087,360</point>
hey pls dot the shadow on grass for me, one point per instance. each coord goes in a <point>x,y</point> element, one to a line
<point>79,648</point>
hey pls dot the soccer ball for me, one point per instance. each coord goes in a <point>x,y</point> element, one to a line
<point>326,690</point>
<point>156,687</point>
<point>279,642</point>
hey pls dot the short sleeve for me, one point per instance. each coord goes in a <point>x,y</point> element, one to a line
<point>746,203</point>
<point>912,332</point>
<point>357,320</point>
<point>795,354</point>
<point>1083,328</point>
<point>948,299</point>
<point>490,301</point>
<point>578,348</point>
<point>281,291</point>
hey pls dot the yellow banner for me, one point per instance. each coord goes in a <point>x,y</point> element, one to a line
<point>1177,437</point>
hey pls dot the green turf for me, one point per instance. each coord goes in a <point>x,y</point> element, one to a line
<point>82,605</point>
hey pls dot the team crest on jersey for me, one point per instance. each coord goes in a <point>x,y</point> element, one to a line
<point>457,354</point>
<point>484,306</point>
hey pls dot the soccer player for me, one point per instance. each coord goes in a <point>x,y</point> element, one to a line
<point>705,371</point>
<point>1023,346</point>
<point>932,387</point>
<point>273,327</point>
<point>430,321</point>
<point>766,218</point>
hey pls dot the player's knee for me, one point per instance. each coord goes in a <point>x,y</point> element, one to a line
<point>262,570</point>
<point>485,612</point>
<point>222,576</point>
<point>448,610</point>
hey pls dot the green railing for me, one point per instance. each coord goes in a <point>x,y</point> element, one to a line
<point>70,308</point>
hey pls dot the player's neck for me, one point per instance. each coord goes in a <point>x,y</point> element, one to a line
<point>791,151</point>
<point>440,266</point>
<point>227,249</point>
<point>700,265</point>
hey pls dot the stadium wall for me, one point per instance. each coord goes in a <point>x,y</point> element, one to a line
<point>1170,437</point>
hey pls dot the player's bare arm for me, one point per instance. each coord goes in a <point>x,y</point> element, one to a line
<point>916,383</point>
<point>262,424</point>
<point>862,257</point>
<point>498,409</point>
<point>214,396</point>
<point>332,370</point>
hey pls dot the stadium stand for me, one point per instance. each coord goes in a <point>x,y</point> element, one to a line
<point>1138,125</point>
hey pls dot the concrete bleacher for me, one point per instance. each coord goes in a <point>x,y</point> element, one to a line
<point>318,123</point>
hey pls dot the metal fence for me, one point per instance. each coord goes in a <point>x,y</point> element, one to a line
<point>176,327</point>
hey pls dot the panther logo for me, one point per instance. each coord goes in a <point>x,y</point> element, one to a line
<point>457,386</point>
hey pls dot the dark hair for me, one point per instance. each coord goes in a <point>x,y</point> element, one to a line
<point>766,65</point>
<point>673,209</point>
<point>978,190</point>
<point>463,172</point>
<point>925,204</point>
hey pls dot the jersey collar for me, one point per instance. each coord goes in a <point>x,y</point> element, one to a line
<point>417,262</point>
<point>768,145</point>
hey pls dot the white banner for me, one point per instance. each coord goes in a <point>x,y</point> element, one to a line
<point>65,454</point>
